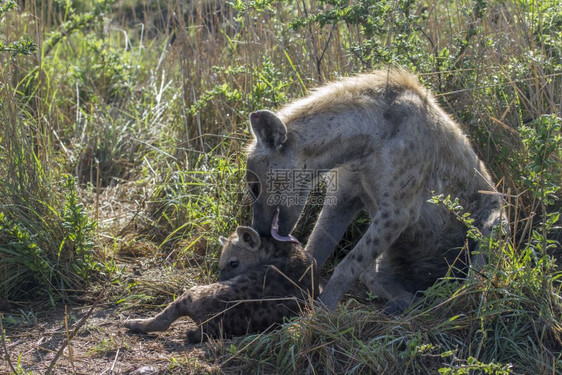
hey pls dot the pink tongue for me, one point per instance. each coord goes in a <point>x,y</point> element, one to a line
<point>275,230</point>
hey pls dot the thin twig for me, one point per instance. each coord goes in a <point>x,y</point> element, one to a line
<point>115,360</point>
<point>326,45</point>
<point>512,82</point>
<point>70,354</point>
<point>74,332</point>
<point>5,348</point>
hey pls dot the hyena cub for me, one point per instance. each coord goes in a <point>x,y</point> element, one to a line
<point>262,280</point>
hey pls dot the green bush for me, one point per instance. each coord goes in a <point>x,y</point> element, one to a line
<point>46,235</point>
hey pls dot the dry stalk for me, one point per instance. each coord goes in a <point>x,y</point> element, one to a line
<point>71,336</point>
<point>70,356</point>
<point>5,347</point>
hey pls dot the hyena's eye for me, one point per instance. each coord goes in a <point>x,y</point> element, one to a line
<point>254,188</point>
<point>234,264</point>
<point>253,184</point>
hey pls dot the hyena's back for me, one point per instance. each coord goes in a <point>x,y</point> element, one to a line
<point>400,134</point>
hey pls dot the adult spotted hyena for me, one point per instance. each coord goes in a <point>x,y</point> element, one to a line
<point>390,147</point>
<point>262,281</point>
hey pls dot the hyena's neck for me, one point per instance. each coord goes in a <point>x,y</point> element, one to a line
<point>327,150</point>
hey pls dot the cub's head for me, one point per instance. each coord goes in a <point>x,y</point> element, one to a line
<point>239,252</point>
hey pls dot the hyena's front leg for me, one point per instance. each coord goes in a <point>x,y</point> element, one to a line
<point>380,235</point>
<point>161,322</point>
<point>339,210</point>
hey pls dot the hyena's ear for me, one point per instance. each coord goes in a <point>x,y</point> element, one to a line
<point>222,240</point>
<point>268,129</point>
<point>248,237</point>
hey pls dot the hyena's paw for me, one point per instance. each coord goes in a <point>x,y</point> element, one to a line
<point>137,325</point>
<point>194,336</point>
<point>397,306</point>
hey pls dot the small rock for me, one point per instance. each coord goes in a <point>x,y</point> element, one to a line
<point>145,370</point>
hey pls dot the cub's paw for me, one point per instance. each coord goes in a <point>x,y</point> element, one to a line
<point>135,325</point>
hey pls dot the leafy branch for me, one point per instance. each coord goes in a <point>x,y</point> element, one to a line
<point>24,45</point>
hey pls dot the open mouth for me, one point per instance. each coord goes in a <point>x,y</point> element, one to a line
<point>275,230</point>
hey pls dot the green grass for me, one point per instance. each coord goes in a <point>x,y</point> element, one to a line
<point>139,110</point>
<point>502,321</point>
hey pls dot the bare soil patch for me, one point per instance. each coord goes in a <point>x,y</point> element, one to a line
<point>101,346</point>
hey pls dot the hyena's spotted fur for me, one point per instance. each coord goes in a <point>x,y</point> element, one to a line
<point>392,147</point>
<point>262,282</point>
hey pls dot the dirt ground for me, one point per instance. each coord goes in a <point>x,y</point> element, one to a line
<point>36,332</point>
<point>101,345</point>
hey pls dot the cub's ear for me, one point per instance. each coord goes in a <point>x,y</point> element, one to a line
<point>268,129</point>
<point>222,240</point>
<point>248,237</point>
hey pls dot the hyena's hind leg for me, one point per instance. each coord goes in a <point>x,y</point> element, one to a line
<point>384,283</point>
<point>493,226</point>
<point>161,322</point>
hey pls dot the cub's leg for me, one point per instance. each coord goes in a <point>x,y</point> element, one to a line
<point>161,322</point>
<point>196,303</point>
